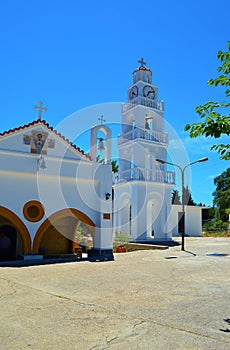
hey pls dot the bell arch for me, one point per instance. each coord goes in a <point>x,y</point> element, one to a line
<point>18,224</point>
<point>49,227</point>
<point>93,142</point>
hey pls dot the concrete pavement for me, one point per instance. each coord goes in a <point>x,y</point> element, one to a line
<point>154,299</point>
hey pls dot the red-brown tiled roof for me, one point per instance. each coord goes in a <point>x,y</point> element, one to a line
<point>142,68</point>
<point>43,122</point>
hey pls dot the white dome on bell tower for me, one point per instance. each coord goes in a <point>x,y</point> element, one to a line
<point>142,73</point>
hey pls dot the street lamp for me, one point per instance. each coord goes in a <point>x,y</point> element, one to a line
<point>182,170</point>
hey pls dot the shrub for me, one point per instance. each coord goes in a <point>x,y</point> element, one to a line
<point>215,225</point>
<point>121,238</point>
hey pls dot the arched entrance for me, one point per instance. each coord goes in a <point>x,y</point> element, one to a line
<point>8,243</point>
<point>12,227</point>
<point>58,233</point>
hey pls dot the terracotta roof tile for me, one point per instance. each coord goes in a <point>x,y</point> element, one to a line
<point>142,68</point>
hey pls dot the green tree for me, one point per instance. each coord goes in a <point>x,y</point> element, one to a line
<point>175,197</point>
<point>208,214</point>
<point>99,159</point>
<point>215,115</point>
<point>187,197</point>
<point>222,194</point>
<point>115,166</point>
<point>114,163</point>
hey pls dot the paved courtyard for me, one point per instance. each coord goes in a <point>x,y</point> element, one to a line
<point>155,299</point>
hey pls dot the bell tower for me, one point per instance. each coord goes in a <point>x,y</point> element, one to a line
<point>143,138</point>
<point>100,141</point>
<point>143,185</point>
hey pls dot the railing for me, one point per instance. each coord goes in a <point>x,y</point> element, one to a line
<point>142,174</point>
<point>150,135</point>
<point>144,102</point>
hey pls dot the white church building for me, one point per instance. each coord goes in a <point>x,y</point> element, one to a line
<point>143,188</point>
<point>49,187</point>
<point>51,190</point>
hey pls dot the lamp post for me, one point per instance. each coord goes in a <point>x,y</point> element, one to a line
<point>182,170</point>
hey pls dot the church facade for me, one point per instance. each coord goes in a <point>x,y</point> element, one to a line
<point>51,193</point>
<point>54,195</point>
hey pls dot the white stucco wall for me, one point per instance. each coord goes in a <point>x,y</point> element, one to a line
<point>193,220</point>
<point>150,204</point>
<point>70,180</point>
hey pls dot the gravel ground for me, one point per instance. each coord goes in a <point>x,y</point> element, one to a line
<point>153,299</point>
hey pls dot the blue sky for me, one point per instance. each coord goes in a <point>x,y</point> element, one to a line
<point>74,54</point>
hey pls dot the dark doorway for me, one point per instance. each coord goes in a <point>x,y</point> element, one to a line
<point>180,222</point>
<point>8,243</point>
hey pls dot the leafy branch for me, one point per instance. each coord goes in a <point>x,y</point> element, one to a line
<point>215,115</point>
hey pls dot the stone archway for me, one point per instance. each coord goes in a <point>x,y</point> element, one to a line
<point>56,235</point>
<point>9,218</point>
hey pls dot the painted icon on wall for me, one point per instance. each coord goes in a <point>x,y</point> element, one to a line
<point>26,139</point>
<point>38,142</point>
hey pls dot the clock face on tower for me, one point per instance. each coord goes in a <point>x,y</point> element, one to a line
<point>148,91</point>
<point>133,92</point>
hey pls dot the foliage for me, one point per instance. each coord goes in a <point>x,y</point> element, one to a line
<point>115,166</point>
<point>114,163</point>
<point>215,225</point>
<point>215,116</point>
<point>222,194</point>
<point>121,237</point>
<point>187,197</point>
<point>208,214</point>
<point>215,228</point>
<point>82,233</point>
<point>175,197</point>
<point>215,233</point>
<point>99,159</point>
<point>200,204</point>
<point>79,234</point>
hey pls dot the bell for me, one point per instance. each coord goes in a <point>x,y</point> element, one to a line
<point>43,164</point>
<point>147,125</point>
<point>100,144</point>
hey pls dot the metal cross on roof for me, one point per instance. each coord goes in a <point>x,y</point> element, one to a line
<point>102,120</point>
<point>142,62</point>
<point>40,109</point>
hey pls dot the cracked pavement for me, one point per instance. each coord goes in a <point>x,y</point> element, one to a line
<point>153,299</point>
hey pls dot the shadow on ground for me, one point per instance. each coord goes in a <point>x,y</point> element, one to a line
<point>24,263</point>
<point>158,243</point>
<point>226,330</point>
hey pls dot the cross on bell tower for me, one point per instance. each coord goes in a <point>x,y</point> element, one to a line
<point>142,62</point>
<point>40,109</point>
